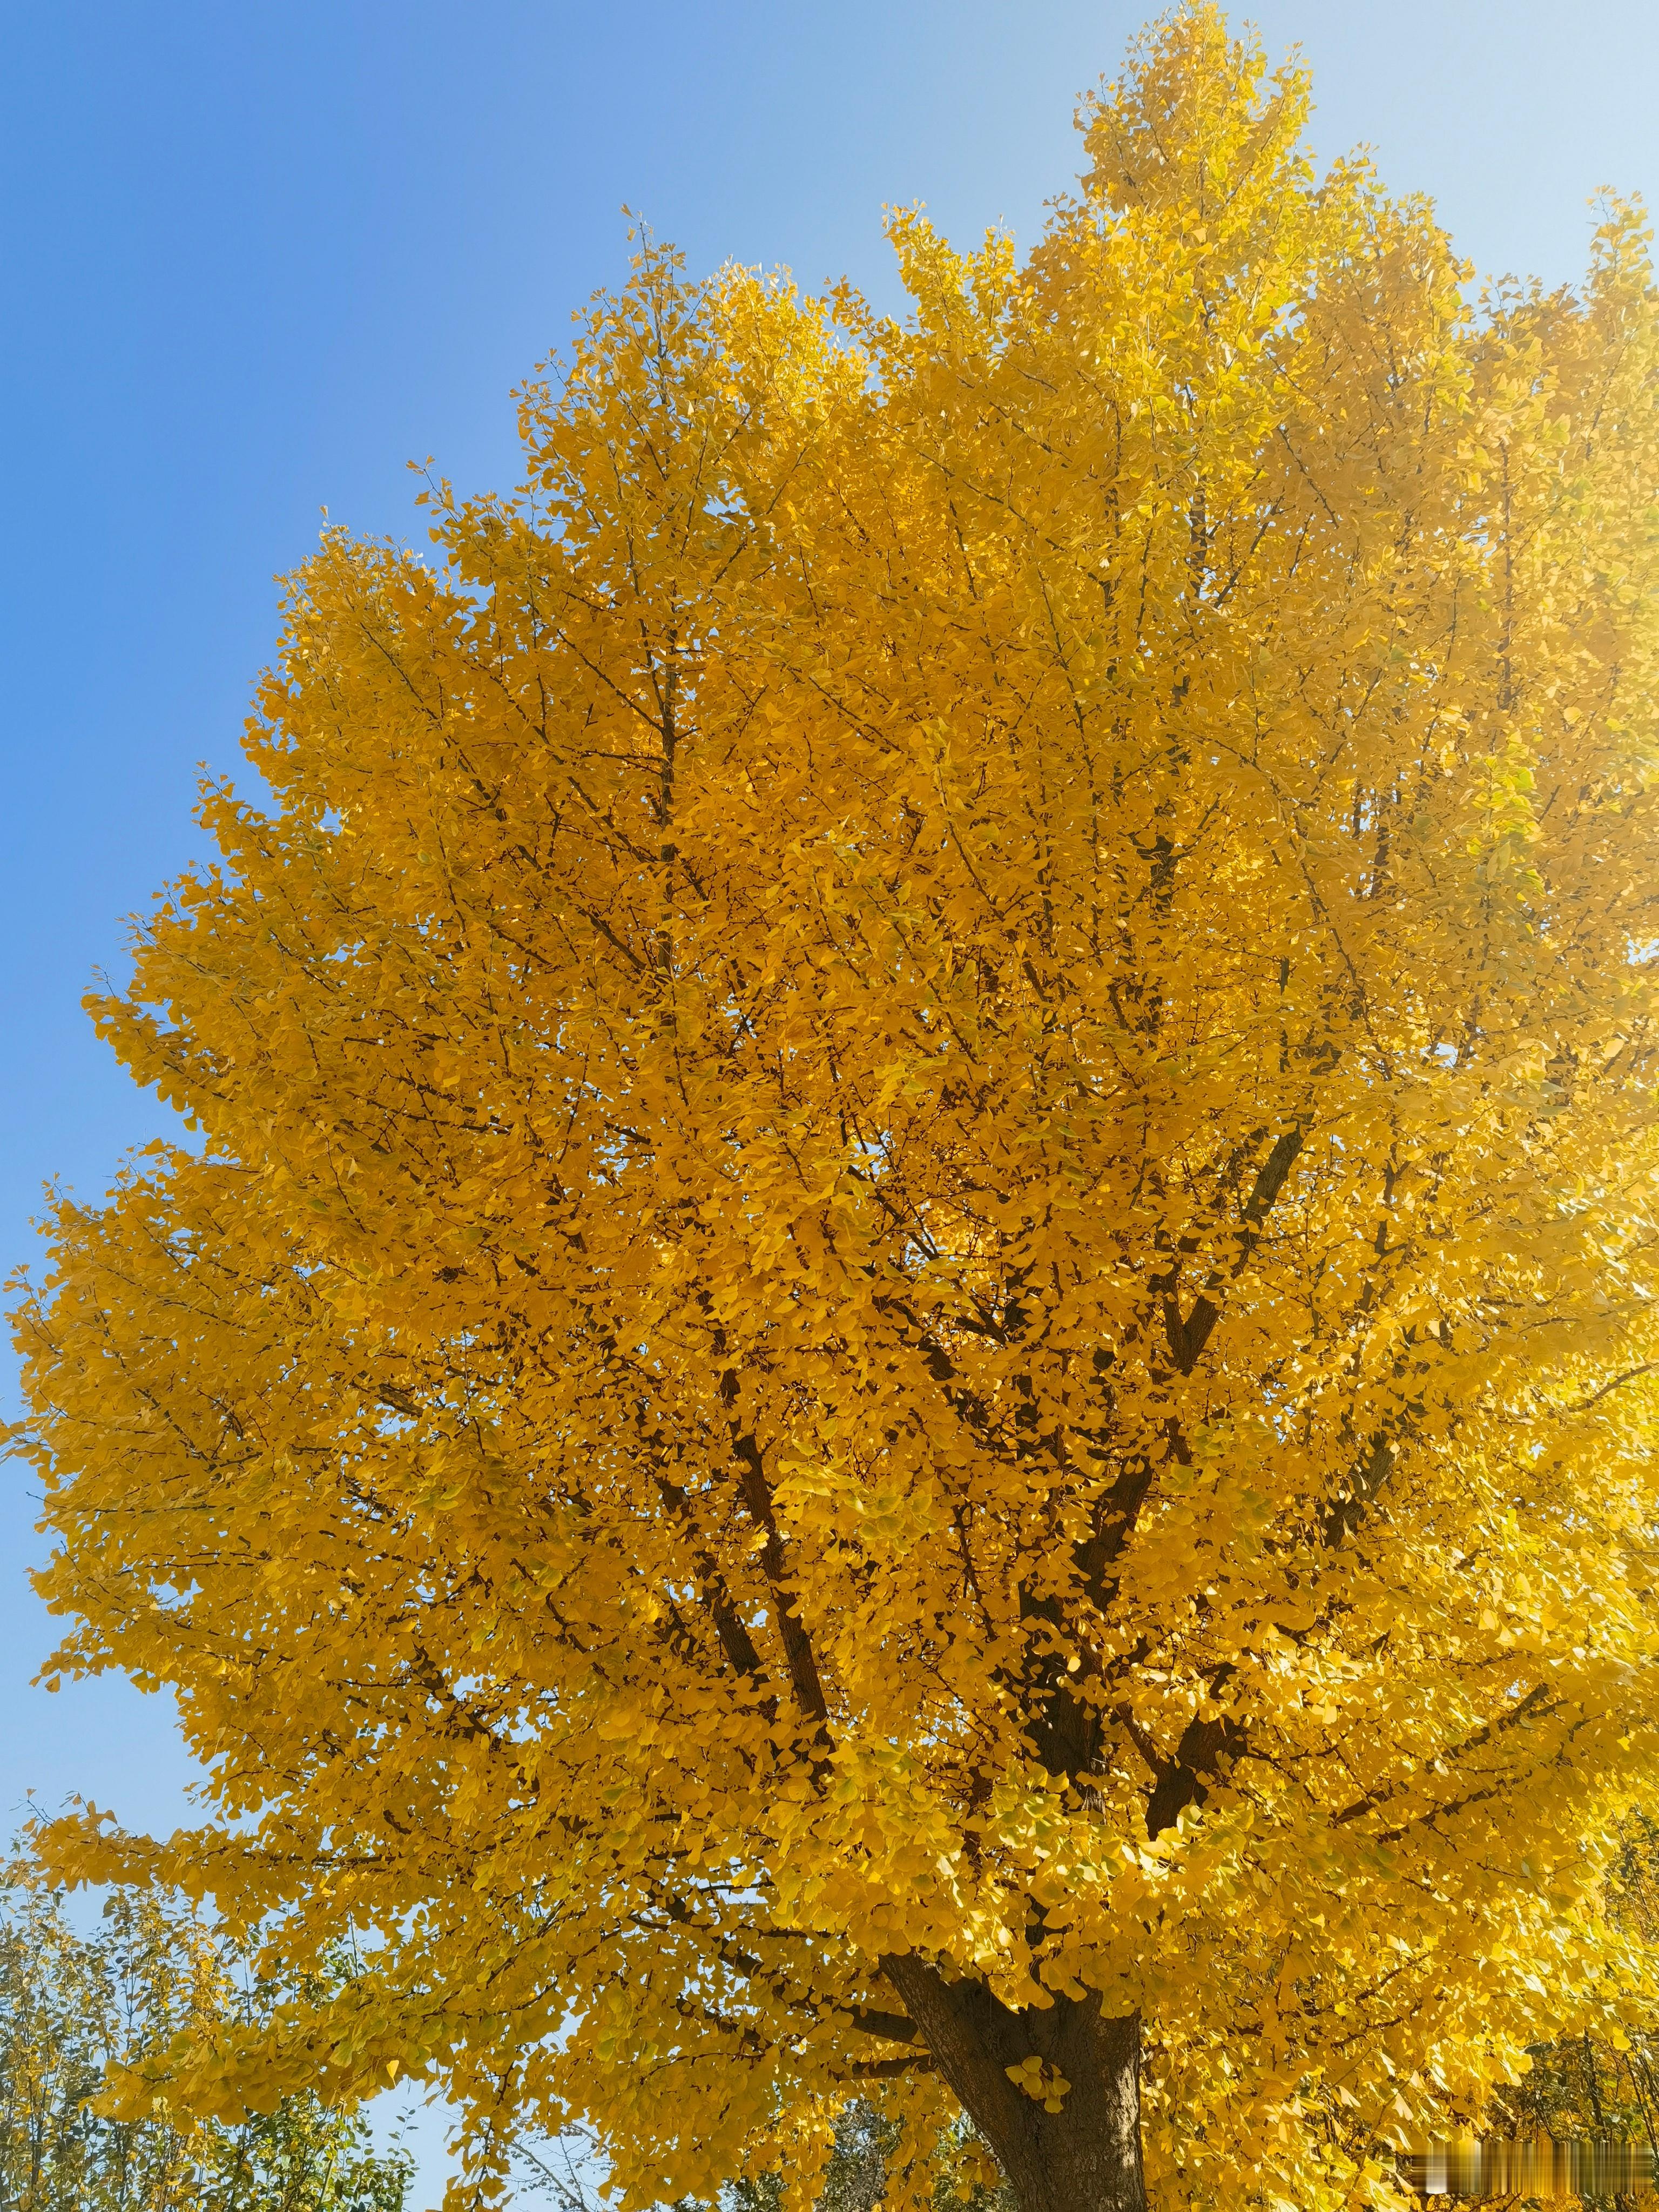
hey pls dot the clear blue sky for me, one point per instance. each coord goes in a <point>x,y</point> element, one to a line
<point>256,257</point>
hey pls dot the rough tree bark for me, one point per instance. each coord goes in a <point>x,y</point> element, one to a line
<point>1084,2158</point>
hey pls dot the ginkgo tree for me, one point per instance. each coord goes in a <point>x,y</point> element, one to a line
<point>912,1351</point>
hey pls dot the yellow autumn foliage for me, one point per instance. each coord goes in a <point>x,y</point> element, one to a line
<point>917,1314</point>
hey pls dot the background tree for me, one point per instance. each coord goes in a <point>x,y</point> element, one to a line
<point>857,2177</point>
<point>912,1354</point>
<point>73,2006</point>
<point>1605,2084</point>
<point>568,2173</point>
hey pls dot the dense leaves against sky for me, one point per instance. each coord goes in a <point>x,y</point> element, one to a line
<point>912,1353</point>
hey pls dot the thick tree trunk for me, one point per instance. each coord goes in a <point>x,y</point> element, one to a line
<point>1084,2158</point>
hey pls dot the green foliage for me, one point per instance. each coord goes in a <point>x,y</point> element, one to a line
<point>1604,2084</point>
<point>857,2178</point>
<point>567,2172</point>
<point>70,2002</point>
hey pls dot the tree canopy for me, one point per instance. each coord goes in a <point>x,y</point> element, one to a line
<point>912,1353</point>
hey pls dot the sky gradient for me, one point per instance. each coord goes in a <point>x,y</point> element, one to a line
<point>259,259</point>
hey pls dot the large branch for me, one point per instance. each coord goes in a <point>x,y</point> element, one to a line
<point>1187,1338</point>
<point>735,1639</point>
<point>880,2026</point>
<point>1205,1749</point>
<point>1535,1702</point>
<point>797,1646</point>
<point>1342,1514</point>
<point>1208,1748</point>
